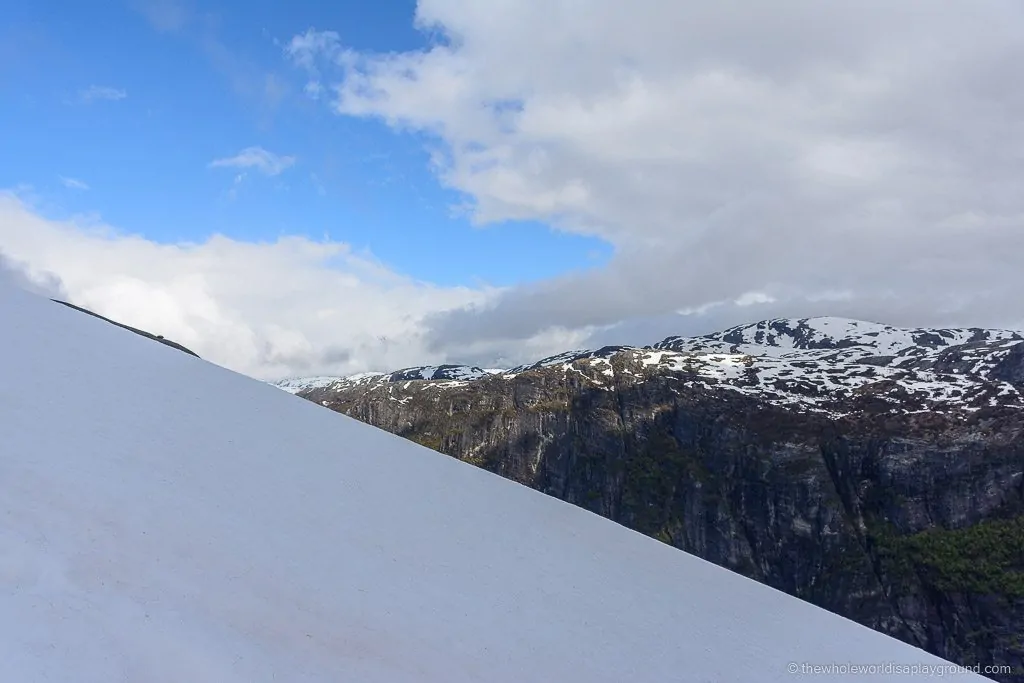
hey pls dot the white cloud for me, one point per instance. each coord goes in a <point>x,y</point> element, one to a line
<point>313,89</point>
<point>308,48</point>
<point>23,276</point>
<point>73,183</point>
<point>766,154</point>
<point>269,310</point>
<point>266,162</point>
<point>307,51</point>
<point>96,93</point>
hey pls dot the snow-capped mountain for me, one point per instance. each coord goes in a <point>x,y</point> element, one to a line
<point>439,373</point>
<point>830,333</point>
<point>827,365</point>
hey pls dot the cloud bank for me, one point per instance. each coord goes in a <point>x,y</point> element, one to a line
<point>269,310</point>
<point>856,158</point>
<point>745,160</point>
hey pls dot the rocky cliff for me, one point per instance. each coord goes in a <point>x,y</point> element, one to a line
<point>873,471</point>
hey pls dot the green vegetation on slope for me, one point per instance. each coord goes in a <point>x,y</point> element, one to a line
<point>986,559</point>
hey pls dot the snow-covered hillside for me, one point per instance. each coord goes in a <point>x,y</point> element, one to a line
<point>825,365</point>
<point>437,373</point>
<point>213,528</point>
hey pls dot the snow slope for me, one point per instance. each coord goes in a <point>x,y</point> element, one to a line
<point>213,528</point>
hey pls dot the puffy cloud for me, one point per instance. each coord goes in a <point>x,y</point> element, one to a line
<point>15,273</point>
<point>855,158</point>
<point>269,310</point>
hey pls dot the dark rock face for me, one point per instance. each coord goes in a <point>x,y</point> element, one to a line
<point>154,337</point>
<point>1011,367</point>
<point>909,521</point>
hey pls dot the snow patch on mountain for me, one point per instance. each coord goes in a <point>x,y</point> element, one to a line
<point>294,386</point>
<point>828,365</point>
<point>849,338</point>
<point>422,373</point>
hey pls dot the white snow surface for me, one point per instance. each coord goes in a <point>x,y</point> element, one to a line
<point>784,336</point>
<point>447,374</point>
<point>294,386</point>
<point>214,529</point>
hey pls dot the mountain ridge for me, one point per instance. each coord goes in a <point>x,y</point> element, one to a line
<point>813,364</point>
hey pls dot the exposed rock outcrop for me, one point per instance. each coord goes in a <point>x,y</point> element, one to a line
<point>148,335</point>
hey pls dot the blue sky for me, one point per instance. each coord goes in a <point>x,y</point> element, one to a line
<point>707,166</point>
<point>119,108</point>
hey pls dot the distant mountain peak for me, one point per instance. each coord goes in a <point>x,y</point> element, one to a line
<point>822,364</point>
